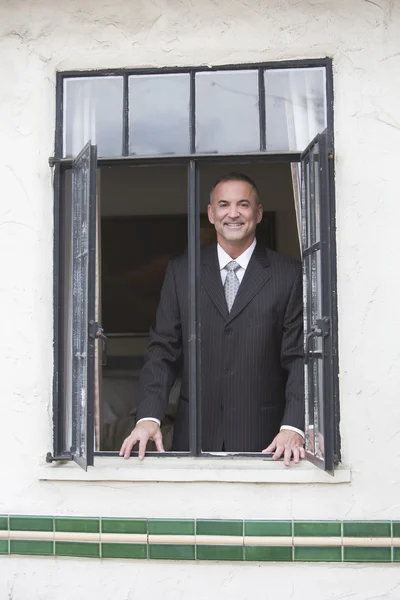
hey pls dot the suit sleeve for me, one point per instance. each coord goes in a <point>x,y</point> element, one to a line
<point>162,359</point>
<point>292,357</point>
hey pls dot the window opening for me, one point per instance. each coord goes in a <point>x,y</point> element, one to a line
<point>287,107</point>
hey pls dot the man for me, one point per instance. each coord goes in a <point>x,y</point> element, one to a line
<point>251,340</point>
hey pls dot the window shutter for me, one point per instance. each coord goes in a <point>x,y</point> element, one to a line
<point>83,303</point>
<point>319,290</point>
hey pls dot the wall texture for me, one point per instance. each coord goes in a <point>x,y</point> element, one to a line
<point>37,38</point>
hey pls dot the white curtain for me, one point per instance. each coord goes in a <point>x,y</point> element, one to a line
<point>296,113</point>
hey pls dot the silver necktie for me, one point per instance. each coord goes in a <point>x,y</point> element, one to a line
<point>232,283</point>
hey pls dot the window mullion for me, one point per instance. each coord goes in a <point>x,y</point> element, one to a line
<point>194,309</point>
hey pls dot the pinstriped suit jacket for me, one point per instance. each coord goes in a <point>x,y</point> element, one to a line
<point>251,358</point>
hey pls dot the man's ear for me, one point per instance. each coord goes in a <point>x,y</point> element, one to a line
<point>260,211</point>
<point>210,213</point>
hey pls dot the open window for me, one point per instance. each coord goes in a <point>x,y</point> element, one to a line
<point>153,173</point>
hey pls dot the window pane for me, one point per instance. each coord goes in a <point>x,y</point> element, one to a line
<point>295,106</point>
<point>67,320</point>
<point>93,110</point>
<point>316,295</point>
<point>227,115</point>
<point>159,114</point>
<point>317,193</point>
<point>315,394</point>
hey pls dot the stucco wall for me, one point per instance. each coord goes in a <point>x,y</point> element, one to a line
<point>39,38</point>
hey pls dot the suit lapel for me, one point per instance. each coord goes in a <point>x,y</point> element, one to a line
<point>211,279</point>
<point>257,274</point>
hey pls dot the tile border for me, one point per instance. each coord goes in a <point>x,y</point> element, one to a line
<point>201,539</point>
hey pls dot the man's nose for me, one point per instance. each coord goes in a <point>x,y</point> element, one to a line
<point>233,212</point>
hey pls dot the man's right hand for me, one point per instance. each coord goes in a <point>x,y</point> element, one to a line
<point>143,432</point>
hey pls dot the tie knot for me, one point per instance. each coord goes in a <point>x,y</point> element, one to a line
<point>232,266</point>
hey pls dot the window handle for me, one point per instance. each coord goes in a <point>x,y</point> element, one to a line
<point>321,329</point>
<point>96,331</point>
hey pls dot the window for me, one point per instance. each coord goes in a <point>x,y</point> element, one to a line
<point>135,157</point>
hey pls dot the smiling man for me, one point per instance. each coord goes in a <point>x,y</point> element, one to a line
<point>251,340</point>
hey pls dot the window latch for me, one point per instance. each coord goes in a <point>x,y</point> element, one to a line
<point>96,332</point>
<point>320,329</point>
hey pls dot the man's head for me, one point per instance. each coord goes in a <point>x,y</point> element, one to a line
<point>235,210</point>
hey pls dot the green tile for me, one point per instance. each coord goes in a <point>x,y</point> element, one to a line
<point>282,553</point>
<point>77,524</point>
<point>3,546</point>
<point>268,528</point>
<point>19,523</point>
<point>396,528</point>
<point>207,552</point>
<point>172,551</point>
<point>366,529</point>
<point>218,527</point>
<point>366,554</point>
<point>124,526</point>
<point>317,528</point>
<point>85,549</point>
<point>110,550</point>
<point>171,526</point>
<point>396,554</point>
<point>3,523</point>
<point>318,553</point>
<point>43,547</point>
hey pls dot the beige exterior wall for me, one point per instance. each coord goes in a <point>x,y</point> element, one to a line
<point>39,38</point>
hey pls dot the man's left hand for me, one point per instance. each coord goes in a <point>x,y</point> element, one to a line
<point>289,443</point>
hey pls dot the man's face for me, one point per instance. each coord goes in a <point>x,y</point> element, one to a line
<point>234,212</point>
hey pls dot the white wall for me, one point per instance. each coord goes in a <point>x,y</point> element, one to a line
<point>38,38</point>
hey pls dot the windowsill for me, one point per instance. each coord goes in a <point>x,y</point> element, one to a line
<point>188,469</point>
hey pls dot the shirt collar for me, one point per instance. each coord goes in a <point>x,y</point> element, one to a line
<point>242,260</point>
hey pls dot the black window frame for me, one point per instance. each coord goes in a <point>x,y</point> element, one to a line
<point>192,161</point>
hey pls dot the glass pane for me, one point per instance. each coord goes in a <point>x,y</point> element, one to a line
<point>309,396</point>
<point>317,193</point>
<point>93,110</point>
<point>227,114</point>
<point>81,306</point>
<point>295,106</point>
<point>305,204</point>
<point>67,303</point>
<point>314,407</point>
<point>159,114</point>
<point>316,296</point>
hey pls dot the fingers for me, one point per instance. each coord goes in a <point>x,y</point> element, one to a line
<point>142,447</point>
<point>270,448</point>
<point>302,452</point>
<point>287,455</point>
<point>142,433</point>
<point>158,442</point>
<point>296,454</point>
<point>128,444</point>
<point>278,452</point>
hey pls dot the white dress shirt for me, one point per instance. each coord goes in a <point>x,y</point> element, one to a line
<point>242,260</point>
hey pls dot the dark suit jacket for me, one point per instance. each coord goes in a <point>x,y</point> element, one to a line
<point>251,358</point>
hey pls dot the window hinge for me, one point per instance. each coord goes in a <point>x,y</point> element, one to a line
<point>331,155</point>
<point>96,331</point>
<point>323,325</point>
<point>320,329</point>
<point>50,458</point>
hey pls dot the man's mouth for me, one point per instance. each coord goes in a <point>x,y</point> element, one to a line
<point>233,225</point>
